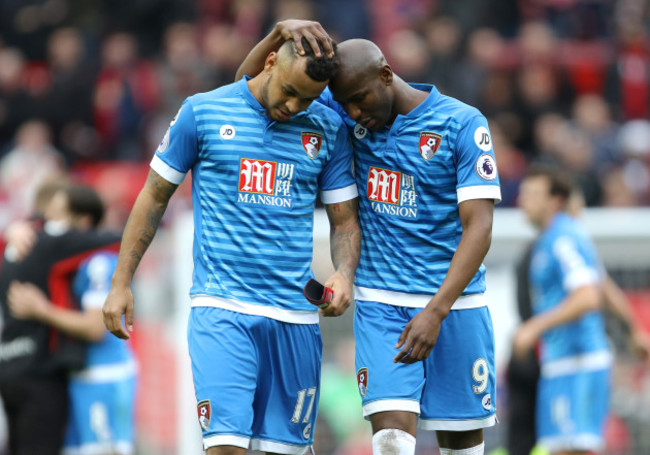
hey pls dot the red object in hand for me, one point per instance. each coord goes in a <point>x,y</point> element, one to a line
<point>317,294</point>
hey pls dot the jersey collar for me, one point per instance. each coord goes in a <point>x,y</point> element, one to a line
<point>420,109</point>
<point>248,96</point>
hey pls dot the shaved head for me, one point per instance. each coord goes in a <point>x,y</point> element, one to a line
<point>363,85</point>
<point>360,57</point>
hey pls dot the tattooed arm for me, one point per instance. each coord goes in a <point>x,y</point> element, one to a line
<point>345,246</point>
<point>140,229</point>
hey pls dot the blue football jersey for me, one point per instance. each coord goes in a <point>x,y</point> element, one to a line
<point>254,188</point>
<point>564,259</point>
<point>91,286</point>
<point>411,177</point>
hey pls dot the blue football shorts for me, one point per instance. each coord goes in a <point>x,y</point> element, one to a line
<point>452,389</point>
<point>101,416</point>
<point>256,379</point>
<point>571,410</point>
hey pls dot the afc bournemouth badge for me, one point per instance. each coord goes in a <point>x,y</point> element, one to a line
<point>362,380</point>
<point>311,142</point>
<point>429,143</point>
<point>204,414</point>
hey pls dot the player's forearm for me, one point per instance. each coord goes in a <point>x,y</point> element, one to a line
<point>345,238</point>
<point>87,326</point>
<point>576,304</point>
<point>471,251</point>
<point>253,64</point>
<point>345,247</point>
<point>141,227</point>
<point>615,300</point>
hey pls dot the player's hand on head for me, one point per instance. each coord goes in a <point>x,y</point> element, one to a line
<point>342,290</point>
<point>119,302</point>
<point>312,31</point>
<point>418,337</point>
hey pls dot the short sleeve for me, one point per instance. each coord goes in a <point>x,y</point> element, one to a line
<point>178,149</point>
<point>574,266</point>
<point>336,181</point>
<point>476,165</point>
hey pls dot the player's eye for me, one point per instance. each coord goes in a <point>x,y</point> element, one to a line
<point>357,98</point>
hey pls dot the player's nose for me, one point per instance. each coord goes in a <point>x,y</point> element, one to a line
<point>293,106</point>
<point>354,112</point>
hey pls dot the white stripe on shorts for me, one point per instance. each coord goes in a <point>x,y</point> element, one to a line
<point>390,405</point>
<point>277,447</point>
<point>458,425</point>
<point>591,361</point>
<point>226,440</point>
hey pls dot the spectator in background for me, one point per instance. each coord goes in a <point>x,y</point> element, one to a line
<point>592,116</point>
<point>16,105</point>
<point>32,161</point>
<point>126,94</point>
<point>443,38</point>
<point>628,75</point>
<point>68,99</point>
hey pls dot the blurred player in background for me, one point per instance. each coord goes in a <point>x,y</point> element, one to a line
<point>259,152</point>
<point>37,352</point>
<point>428,181</point>
<point>523,370</point>
<point>566,287</point>
<point>102,393</point>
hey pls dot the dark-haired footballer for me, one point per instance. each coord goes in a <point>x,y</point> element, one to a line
<point>260,152</point>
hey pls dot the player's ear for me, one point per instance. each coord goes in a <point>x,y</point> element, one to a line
<point>386,75</point>
<point>271,61</point>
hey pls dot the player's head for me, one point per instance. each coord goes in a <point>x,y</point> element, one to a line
<point>75,206</point>
<point>364,83</point>
<point>293,81</point>
<point>544,191</point>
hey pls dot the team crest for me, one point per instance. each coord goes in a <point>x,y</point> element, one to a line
<point>311,142</point>
<point>205,413</point>
<point>429,144</point>
<point>362,380</point>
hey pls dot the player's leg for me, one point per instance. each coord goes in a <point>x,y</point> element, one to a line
<point>457,401</point>
<point>390,392</point>
<point>287,398</point>
<point>572,407</point>
<point>38,410</point>
<point>225,374</point>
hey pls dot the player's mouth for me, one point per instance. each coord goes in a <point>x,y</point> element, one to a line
<point>283,114</point>
<point>368,123</point>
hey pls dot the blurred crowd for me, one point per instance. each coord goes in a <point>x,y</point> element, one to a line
<point>94,83</point>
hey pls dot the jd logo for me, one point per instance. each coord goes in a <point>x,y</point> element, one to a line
<point>482,138</point>
<point>227,132</point>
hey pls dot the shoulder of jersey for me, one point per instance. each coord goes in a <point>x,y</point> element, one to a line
<point>456,108</point>
<point>218,93</point>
